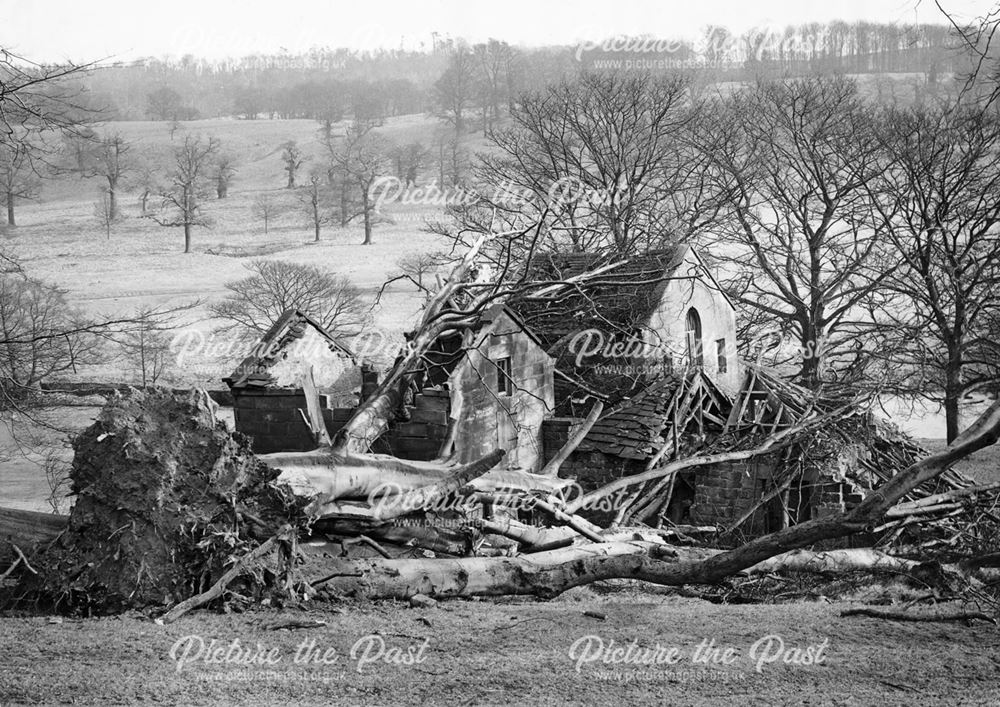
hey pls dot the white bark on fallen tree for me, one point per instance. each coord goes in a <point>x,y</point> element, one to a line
<point>552,467</point>
<point>550,573</point>
<point>833,562</point>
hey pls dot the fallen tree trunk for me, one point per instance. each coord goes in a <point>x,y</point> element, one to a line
<point>552,467</point>
<point>427,537</point>
<point>939,501</point>
<point>833,562</point>
<point>390,499</point>
<point>336,476</point>
<point>26,529</point>
<point>543,574</point>
<point>392,506</point>
<point>547,574</point>
<point>535,538</point>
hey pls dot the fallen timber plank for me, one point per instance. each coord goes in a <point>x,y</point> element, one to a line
<point>26,529</point>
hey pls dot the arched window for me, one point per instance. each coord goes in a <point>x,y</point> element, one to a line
<point>692,332</point>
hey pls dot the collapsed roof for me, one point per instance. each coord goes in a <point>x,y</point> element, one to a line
<point>641,425</point>
<point>616,295</point>
<point>273,347</point>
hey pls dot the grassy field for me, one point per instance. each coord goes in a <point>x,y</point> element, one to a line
<point>142,264</point>
<point>506,652</point>
<point>495,652</point>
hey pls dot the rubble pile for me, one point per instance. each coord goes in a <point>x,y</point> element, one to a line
<point>166,497</point>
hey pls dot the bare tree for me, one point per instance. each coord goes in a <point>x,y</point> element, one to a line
<point>315,202</point>
<point>79,146</point>
<point>493,61</point>
<point>455,91</point>
<point>110,162</point>
<point>607,163</point>
<point>416,266</point>
<point>166,104</point>
<point>407,161</point>
<point>37,99</point>
<point>453,163</point>
<point>798,240</point>
<point>104,212</point>
<point>223,171</point>
<point>978,37</point>
<point>938,204</point>
<point>18,178</point>
<point>37,104</point>
<point>361,158</point>
<point>189,185</point>
<point>146,346</point>
<point>329,109</point>
<point>267,207</point>
<point>40,335</point>
<point>146,183</point>
<point>293,159</point>
<point>255,302</point>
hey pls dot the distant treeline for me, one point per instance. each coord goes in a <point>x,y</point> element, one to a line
<point>325,84</point>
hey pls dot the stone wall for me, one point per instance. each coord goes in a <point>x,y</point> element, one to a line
<point>718,322</point>
<point>421,437</point>
<point>723,493</point>
<point>716,495</point>
<point>271,417</point>
<point>490,417</point>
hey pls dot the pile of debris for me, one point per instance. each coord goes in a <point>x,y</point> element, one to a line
<point>166,497</point>
<point>859,451</point>
<point>173,510</point>
<point>833,451</point>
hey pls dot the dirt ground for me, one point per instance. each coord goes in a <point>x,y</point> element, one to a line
<point>509,652</point>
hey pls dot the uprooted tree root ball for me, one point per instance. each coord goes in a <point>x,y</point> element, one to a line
<point>167,498</point>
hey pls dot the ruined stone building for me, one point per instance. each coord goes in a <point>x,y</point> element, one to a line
<point>825,471</point>
<point>494,380</point>
<point>267,383</point>
<point>522,377</point>
<point>636,321</point>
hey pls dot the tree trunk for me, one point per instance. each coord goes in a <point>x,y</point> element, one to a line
<point>441,165</point>
<point>372,417</point>
<point>10,210</point>
<point>316,230</point>
<point>544,574</point>
<point>26,529</point>
<point>344,204</point>
<point>187,237</point>
<point>112,207</point>
<point>368,221</point>
<point>550,573</point>
<point>952,398</point>
<point>809,372</point>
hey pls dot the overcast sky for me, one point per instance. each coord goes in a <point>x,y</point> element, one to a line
<point>56,30</point>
